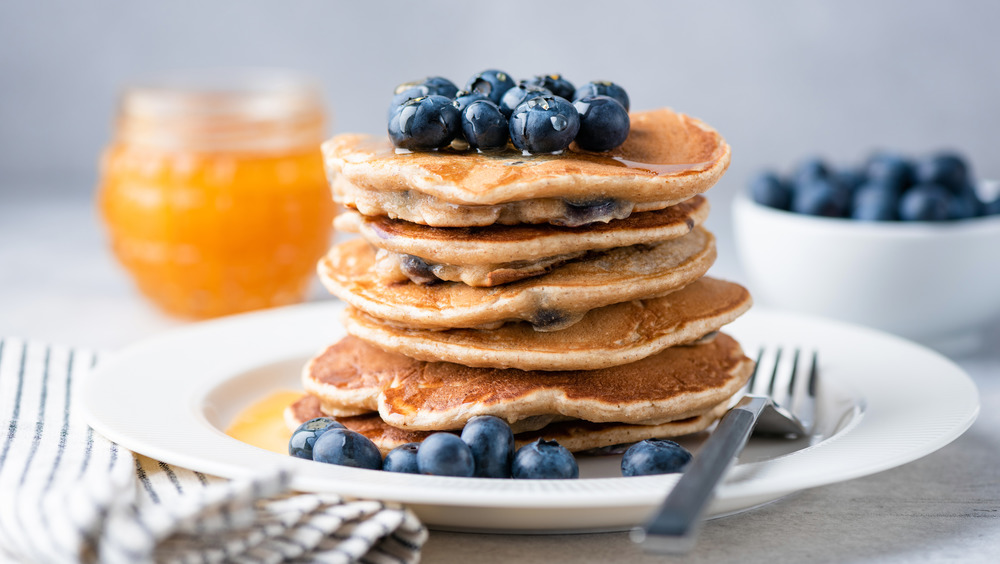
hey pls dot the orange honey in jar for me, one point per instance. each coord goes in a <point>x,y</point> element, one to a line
<point>213,190</point>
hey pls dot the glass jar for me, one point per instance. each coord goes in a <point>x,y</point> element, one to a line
<point>213,190</point>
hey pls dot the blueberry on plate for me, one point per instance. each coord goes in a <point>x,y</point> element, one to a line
<point>891,170</point>
<point>767,189</point>
<point>492,83</point>
<point>925,202</point>
<point>554,83</point>
<point>518,94</point>
<point>821,196</point>
<point>492,445</point>
<point>484,127</point>
<point>402,459</point>
<point>304,437</point>
<point>424,123</point>
<point>347,448</point>
<point>654,456</point>
<point>604,123</point>
<point>875,201</point>
<point>603,88</point>
<point>544,460</point>
<point>545,124</point>
<point>445,454</point>
<point>944,169</point>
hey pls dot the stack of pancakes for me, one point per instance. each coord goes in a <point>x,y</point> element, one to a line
<point>563,293</point>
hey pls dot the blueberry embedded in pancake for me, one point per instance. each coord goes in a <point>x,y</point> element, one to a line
<point>667,158</point>
<point>605,337</point>
<point>573,289</point>
<point>494,255</point>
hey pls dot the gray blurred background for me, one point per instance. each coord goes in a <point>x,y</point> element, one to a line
<point>780,80</point>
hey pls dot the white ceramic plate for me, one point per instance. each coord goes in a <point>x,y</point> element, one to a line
<point>883,402</point>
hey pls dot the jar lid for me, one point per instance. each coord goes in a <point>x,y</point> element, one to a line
<point>223,110</point>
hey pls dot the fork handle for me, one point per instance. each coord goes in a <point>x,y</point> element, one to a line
<point>673,528</point>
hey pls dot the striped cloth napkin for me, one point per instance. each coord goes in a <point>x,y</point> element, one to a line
<point>69,495</point>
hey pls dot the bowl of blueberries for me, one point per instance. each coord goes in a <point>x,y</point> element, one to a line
<point>906,245</point>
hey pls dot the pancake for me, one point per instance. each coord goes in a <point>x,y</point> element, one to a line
<point>395,267</point>
<point>667,157</point>
<point>549,302</point>
<point>493,255</point>
<point>677,383</point>
<point>420,208</point>
<point>575,435</point>
<point>605,337</point>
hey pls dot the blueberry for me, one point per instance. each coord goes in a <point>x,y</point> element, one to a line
<point>821,196</point>
<point>424,123</point>
<point>417,269</point>
<point>925,202</point>
<point>492,445</point>
<point>544,460</point>
<point>603,88</point>
<point>304,437</point>
<point>944,169</point>
<point>515,96</point>
<point>554,83</point>
<point>544,125</point>
<point>484,126</point>
<point>992,208</point>
<point>347,448</point>
<point>441,86</point>
<point>463,98</point>
<point>404,92</point>
<point>654,456</point>
<point>875,201</point>
<point>965,204</point>
<point>767,189</point>
<point>402,459</point>
<point>849,177</point>
<point>445,454</point>
<point>891,170</point>
<point>604,123</point>
<point>592,211</point>
<point>432,85</point>
<point>810,169</point>
<point>492,83</point>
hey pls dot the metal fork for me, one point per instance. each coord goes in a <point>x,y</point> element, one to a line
<point>768,407</point>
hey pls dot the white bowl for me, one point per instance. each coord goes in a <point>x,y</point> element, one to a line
<point>938,283</point>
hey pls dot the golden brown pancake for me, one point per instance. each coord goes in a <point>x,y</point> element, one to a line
<point>550,302</point>
<point>677,383</point>
<point>667,156</point>
<point>605,337</point>
<point>493,255</point>
<point>420,208</point>
<point>575,435</point>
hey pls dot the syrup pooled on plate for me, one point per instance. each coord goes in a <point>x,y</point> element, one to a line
<point>263,424</point>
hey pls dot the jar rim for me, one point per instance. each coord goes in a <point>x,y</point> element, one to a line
<point>249,93</point>
<point>221,110</point>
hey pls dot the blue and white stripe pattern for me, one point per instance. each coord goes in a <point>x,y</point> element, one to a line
<point>69,495</point>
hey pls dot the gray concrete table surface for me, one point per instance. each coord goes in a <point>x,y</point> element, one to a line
<point>58,283</point>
